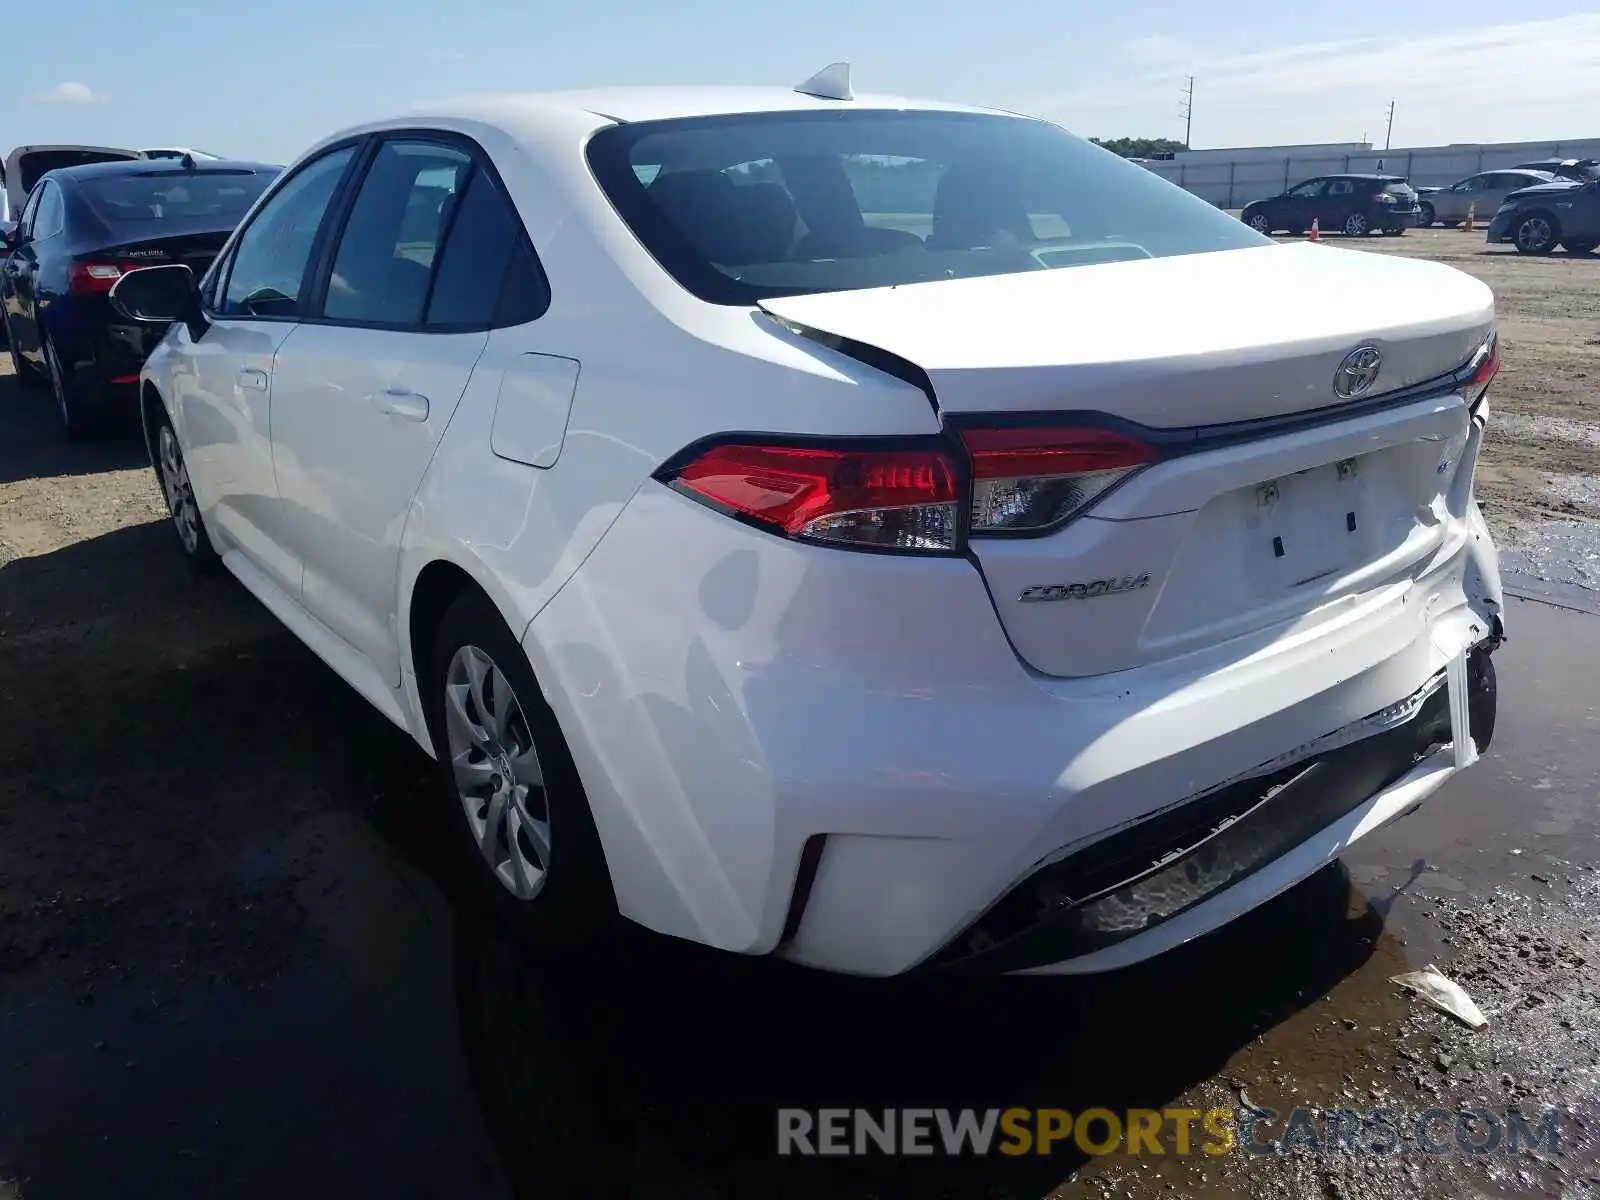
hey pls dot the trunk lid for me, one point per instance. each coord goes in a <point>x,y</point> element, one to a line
<point>1288,528</point>
<point>1195,340</point>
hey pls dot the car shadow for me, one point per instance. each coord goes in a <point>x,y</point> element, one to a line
<point>36,447</point>
<point>659,1072</point>
<point>168,747</point>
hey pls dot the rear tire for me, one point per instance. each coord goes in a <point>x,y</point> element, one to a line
<point>1259,222</point>
<point>1536,233</point>
<point>1356,225</point>
<point>76,422</point>
<point>172,474</point>
<point>524,821</point>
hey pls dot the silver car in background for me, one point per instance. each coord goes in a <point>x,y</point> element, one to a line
<point>1485,190</point>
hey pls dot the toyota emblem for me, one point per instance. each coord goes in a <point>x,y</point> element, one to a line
<point>1357,373</point>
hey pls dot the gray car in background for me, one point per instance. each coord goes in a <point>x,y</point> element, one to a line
<point>1486,191</point>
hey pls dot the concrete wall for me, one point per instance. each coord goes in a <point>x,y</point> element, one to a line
<point>1231,179</point>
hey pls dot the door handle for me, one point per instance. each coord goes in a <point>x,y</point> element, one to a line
<point>253,378</point>
<point>398,402</point>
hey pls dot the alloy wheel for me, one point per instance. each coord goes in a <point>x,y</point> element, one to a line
<point>1534,235</point>
<point>1260,224</point>
<point>1355,225</point>
<point>58,385</point>
<point>180,494</point>
<point>497,772</point>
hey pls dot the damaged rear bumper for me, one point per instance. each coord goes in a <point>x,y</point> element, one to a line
<point>1200,864</point>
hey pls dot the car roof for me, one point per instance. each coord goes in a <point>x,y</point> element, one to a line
<point>156,166</point>
<point>529,115</point>
<point>1360,175</point>
<point>629,104</point>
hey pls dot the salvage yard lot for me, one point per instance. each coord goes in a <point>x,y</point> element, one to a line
<point>236,958</point>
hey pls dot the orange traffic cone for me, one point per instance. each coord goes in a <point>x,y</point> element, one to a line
<point>1316,231</point>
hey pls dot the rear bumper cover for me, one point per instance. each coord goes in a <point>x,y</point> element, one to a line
<point>1135,881</point>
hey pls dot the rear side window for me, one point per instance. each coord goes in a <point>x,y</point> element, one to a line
<point>51,217</point>
<point>739,208</point>
<point>466,286</point>
<point>386,253</point>
<point>525,294</point>
<point>1341,187</point>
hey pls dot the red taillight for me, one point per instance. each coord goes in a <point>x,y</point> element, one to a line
<point>89,277</point>
<point>1488,364</point>
<point>1032,479</point>
<point>886,499</point>
<point>912,499</point>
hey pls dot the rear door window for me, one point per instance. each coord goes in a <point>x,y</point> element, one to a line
<point>385,257</point>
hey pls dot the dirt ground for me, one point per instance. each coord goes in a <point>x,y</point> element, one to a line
<point>238,957</point>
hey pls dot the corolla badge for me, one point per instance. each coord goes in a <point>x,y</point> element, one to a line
<point>1357,373</point>
<point>1084,591</point>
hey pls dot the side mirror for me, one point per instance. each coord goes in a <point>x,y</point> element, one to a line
<point>160,295</point>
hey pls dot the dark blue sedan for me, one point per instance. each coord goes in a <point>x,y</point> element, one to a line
<point>80,231</point>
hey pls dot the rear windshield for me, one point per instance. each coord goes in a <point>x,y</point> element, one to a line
<point>745,207</point>
<point>1396,187</point>
<point>220,196</point>
<point>37,162</point>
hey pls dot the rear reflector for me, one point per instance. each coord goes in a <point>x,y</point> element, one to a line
<point>1027,480</point>
<point>879,499</point>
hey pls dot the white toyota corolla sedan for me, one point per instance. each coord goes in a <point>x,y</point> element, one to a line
<point>878,534</point>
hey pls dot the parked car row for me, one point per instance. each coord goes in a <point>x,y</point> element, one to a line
<point>1536,207</point>
<point>91,215</point>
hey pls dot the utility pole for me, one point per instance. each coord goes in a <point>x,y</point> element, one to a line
<point>1388,133</point>
<point>1188,112</point>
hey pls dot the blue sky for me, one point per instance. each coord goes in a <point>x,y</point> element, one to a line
<point>265,78</point>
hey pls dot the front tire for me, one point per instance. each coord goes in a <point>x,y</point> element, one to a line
<point>1536,233</point>
<point>1356,225</point>
<point>172,473</point>
<point>524,819</point>
<point>1259,222</point>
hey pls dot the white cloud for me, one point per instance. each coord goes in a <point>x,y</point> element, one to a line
<point>1527,81</point>
<point>70,92</point>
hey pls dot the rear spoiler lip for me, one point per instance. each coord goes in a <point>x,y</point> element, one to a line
<point>1170,440</point>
